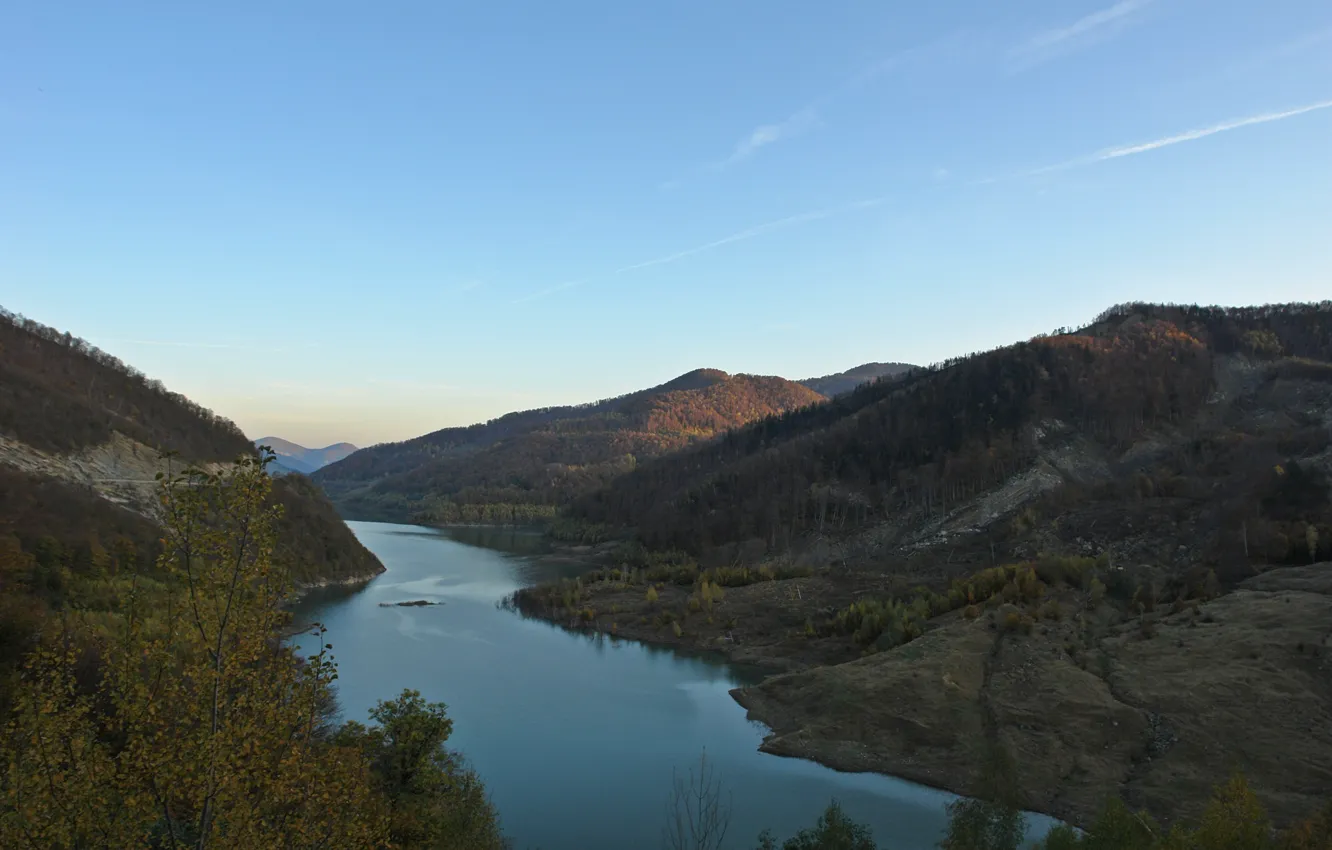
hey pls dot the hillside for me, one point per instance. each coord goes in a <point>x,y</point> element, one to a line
<point>1093,547</point>
<point>524,465</point>
<point>297,458</point>
<point>1148,400</point>
<point>844,382</point>
<point>80,428</point>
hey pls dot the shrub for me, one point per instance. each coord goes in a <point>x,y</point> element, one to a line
<point>651,594</point>
<point>675,627</point>
<point>1052,610</point>
<point>834,831</point>
<point>1013,620</point>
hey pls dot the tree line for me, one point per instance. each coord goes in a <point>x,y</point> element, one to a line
<point>59,393</point>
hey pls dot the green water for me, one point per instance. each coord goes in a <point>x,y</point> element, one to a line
<point>575,738</point>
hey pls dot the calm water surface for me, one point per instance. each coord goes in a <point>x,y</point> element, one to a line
<point>575,738</point>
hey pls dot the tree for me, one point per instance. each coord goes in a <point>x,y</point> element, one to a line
<point>1234,820</point>
<point>1312,834</point>
<point>834,831</point>
<point>993,820</point>
<point>696,816</point>
<point>200,728</point>
<point>435,800</point>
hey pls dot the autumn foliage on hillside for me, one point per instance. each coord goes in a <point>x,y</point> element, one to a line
<point>923,444</point>
<point>388,459</point>
<point>564,455</point>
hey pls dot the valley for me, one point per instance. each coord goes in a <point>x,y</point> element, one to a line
<point>694,426</point>
<point>1099,551</point>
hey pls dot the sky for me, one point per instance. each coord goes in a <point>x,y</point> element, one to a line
<point>355,221</point>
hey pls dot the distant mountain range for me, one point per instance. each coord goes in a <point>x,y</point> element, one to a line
<point>296,458</point>
<point>845,382</point>
<point>522,466</point>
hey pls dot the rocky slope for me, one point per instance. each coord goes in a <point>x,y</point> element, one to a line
<point>1155,715</point>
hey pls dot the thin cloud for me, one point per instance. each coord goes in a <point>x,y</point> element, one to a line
<point>807,117</point>
<point>1265,118</point>
<point>739,236</point>
<point>768,134</point>
<point>559,287</point>
<point>1081,33</point>
<point>1166,141</point>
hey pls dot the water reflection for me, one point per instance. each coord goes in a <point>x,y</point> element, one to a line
<point>512,540</point>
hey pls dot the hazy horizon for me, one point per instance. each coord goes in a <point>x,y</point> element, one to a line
<point>334,222</point>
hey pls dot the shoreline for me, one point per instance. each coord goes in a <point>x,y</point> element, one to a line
<point>1092,700</point>
<point>301,590</point>
<point>766,665</point>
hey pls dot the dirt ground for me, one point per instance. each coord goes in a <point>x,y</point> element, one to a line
<point>1158,715</point>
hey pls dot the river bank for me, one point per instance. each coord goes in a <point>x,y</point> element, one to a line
<point>1092,701</point>
<point>646,711</point>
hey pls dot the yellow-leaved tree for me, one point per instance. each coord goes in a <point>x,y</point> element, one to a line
<point>198,727</point>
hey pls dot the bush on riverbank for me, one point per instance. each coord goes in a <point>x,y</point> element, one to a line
<point>1026,588</point>
<point>1233,820</point>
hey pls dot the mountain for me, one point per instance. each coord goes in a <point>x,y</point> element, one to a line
<point>952,450</point>
<point>295,458</point>
<point>1101,549</point>
<point>522,466</point>
<point>845,382</point>
<point>82,438</point>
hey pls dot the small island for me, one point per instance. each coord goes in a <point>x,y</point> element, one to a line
<point>415,603</point>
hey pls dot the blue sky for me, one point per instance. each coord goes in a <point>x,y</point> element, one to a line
<point>345,220</point>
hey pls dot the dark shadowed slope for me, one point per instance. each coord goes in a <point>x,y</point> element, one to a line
<point>523,465</point>
<point>74,417</point>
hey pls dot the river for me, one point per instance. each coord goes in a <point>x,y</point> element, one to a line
<point>576,738</point>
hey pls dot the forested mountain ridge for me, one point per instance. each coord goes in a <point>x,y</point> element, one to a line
<point>844,382</point>
<point>523,465</point>
<point>955,450</point>
<point>84,424</point>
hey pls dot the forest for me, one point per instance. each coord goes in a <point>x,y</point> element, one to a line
<point>522,466</point>
<point>921,445</point>
<point>58,393</point>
